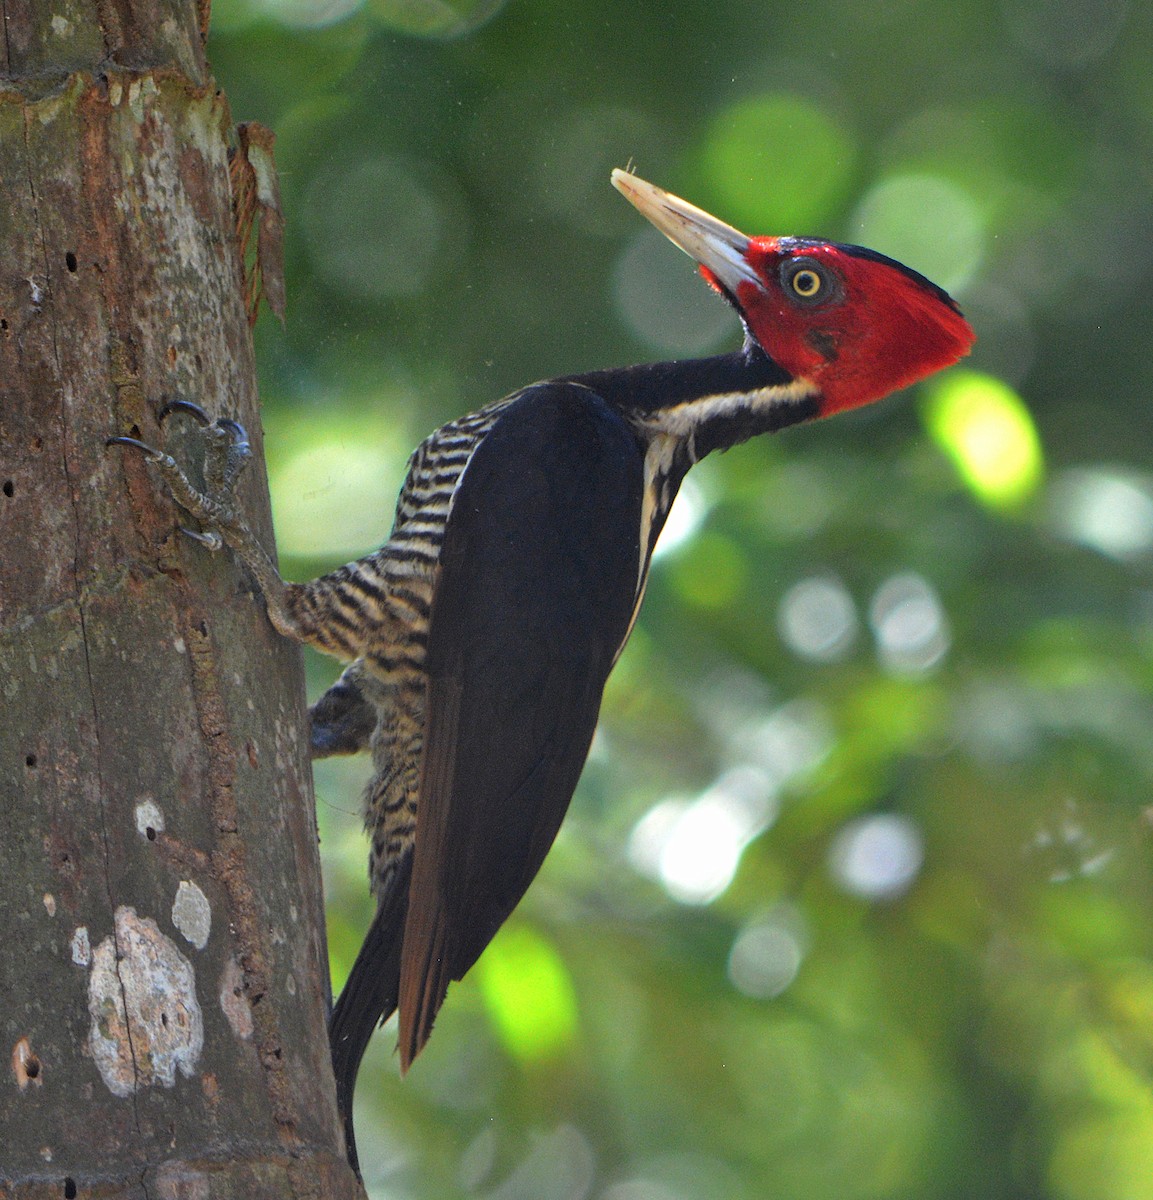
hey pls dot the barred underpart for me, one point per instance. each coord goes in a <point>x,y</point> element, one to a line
<point>375,611</point>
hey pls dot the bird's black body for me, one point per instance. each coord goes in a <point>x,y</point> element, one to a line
<point>541,566</point>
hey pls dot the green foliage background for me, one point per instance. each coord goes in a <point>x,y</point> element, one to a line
<point>906,711</point>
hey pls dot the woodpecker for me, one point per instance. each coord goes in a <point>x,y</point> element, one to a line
<point>481,635</point>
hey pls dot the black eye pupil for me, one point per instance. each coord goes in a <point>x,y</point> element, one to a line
<point>806,283</point>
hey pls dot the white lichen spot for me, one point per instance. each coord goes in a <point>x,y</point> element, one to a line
<point>50,904</point>
<point>192,914</point>
<point>141,982</point>
<point>233,1000</point>
<point>81,947</point>
<point>62,27</point>
<point>46,1153</point>
<point>181,648</point>
<point>149,819</point>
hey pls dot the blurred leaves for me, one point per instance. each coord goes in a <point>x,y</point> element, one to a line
<point>891,694</point>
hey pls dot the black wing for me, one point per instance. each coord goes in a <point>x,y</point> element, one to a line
<point>535,592</point>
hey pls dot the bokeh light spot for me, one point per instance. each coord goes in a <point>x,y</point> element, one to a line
<point>767,954</point>
<point>817,618</point>
<point>785,743</point>
<point>376,230</point>
<point>877,857</point>
<point>926,221</point>
<point>778,163</point>
<point>693,847</point>
<point>528,993</point>
<point>1109,510</point>
<point>663,300</point>
<point>988,432</point>
<point>909,624</point>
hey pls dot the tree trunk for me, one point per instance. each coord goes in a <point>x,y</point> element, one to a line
<point>163,978</point>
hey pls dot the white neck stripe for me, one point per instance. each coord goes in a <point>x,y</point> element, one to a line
<point>683,419</point>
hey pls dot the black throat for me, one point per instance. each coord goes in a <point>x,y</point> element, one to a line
<point>712,403</point>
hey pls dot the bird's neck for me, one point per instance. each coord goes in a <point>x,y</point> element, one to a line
<point>707,403</point>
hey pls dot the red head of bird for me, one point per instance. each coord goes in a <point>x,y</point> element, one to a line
<point>850,322</point>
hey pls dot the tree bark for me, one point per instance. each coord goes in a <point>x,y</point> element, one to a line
<point>163,977</point>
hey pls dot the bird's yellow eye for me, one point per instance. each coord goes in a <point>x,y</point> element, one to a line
<point>804,280</point>
<point>805,283</point>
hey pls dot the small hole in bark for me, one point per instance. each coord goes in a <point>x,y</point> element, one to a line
<point>30,761</point>
<point>9,488</point>
<point>69,1189</point>
<point>164,1019</point>
<point>31,1066</point>
<point>150,833</point>
<point>70,261</point>
<point>3,324</point>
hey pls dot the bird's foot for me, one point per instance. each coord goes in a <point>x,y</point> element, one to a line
<point>214,507</point>
<point>226,454</point>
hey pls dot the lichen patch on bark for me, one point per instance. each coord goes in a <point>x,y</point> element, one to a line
<point>146,1022</point>
<point>192,914</point>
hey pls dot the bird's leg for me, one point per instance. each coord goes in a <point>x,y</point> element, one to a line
<point>361,605</point>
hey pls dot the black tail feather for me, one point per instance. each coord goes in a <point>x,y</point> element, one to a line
<point>370,995</point>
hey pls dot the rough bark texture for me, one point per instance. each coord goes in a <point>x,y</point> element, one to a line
<point>163,977</point>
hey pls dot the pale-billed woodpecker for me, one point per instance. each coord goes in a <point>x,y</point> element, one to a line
<point>480,636</point>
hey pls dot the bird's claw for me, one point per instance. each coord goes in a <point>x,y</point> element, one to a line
<point>211,540</point>
<point>149,452</point>
<point>185,406</point>
<point>226,453</point>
